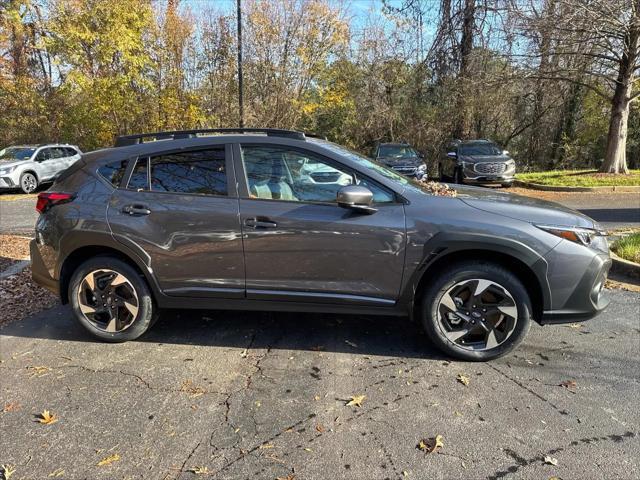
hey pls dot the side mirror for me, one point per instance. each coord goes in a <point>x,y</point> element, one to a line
<point>356,198</point>
<point>452,154</point>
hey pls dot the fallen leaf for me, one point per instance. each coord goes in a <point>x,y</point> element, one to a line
<point>38,371</point>
<point>244,353</point>
<point>199,470</point>
<point>193,390</point>
<point>11,407</point>
<point>258,403</point>
<point>7,471</point>
<point>575,325</point>
<point>351,344</point>
<point>57,473</point>
<point>405,473</point>
<point>550,460</point>
<point>266,445</point>
<point>457,413</point>
<point>319,428</point>
<point>432,444</point>
<point>291,476</point>
<point>356,401</point>
<point>463,379</point>
<point>568,384</point>
<point>108,460</point>
<point>47,418</point>
<point>308,450</point>
<point>316,397</point>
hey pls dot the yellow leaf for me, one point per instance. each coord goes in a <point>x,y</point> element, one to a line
<point>57,473</point>
<point>308,450</point>
<point>291,476</point>
<point>463,379</point>
<point>7,471</point>
<point>266,445</point>
<point>432,444</point>
<point>550,460</point>
<point>356,401</point>
<point>108,460</point>
<point>457,413</point>
<point>47,418</point>
<point>199,470</point>
<point>319,428</point>
<point>38,371</point>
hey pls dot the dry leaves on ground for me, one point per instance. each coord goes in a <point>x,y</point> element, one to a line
<point>14,247</point>
<point>439,189</point>
<point>550,460</point>
<point>291,476</point>
<point>20,297</point>
<point>570,384</point>
<point>199,470</point>
<point>356,401</point>
<point>431,445</point>
<point>463,379</point>
<point>109,460</point>
<point>47,418</point>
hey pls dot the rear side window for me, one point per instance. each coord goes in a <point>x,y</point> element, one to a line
<point>139,177</point>
<point>201,172</point>
<point>113,172</point>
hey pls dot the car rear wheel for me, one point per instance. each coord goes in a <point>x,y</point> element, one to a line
<point>476,311</point>
<point>111,299</point>
<point>28,182</point>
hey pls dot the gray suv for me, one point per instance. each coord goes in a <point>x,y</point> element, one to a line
<point>477,162</point>
<point>233,219</point>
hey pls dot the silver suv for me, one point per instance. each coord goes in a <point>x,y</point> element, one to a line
<point>27,166</point>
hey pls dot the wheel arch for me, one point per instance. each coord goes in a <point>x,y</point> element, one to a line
<point>532,276</point>
<point>30,170</point>
<point>82,253</point>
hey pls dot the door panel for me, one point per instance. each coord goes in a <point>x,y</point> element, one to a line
<point>323,249</point>
<point>193,241</point>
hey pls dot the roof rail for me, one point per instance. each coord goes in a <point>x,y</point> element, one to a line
<point>126,140</point>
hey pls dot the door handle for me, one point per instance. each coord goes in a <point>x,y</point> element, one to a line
<point>136,210</point>
<point>255,223</point>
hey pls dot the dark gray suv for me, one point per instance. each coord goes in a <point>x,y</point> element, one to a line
<point>477,162</point>
<point>276,220</point>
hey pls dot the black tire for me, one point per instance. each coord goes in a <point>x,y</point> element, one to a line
<point>457,176</point>
<point>475,270</point>
<point>28,182</point>
<point>147,312</point>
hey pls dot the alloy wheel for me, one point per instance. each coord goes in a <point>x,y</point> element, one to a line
<point>28,183</point>
<point>108,300</point>
<point>477,314</point>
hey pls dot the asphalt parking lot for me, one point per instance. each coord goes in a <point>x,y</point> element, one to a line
<point>264,396</point>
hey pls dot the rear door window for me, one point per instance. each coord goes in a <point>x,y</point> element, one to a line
<point>200,172</point>
<point>113,172</point>
<point>140,176</point>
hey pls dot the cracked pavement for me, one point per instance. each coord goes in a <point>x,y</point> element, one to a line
<point>263,395</point>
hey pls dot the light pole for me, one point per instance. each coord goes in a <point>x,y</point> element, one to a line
<point>240,99</point>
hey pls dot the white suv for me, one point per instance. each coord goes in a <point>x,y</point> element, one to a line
<point>27,166</point>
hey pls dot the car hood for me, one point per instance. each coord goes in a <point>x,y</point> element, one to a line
<point>10,163</point>
<point>484,158</point>
<point>393,161</point>
<point>528,209</point>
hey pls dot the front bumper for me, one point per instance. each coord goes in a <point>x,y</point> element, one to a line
<point>7,182</point>
<point>588,298</point>
<point>489,180</point>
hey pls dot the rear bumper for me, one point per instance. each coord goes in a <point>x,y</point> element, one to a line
<point>39,271</point>
<point>589,297</point>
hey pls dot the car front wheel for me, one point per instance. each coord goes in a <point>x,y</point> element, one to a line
<point>111,299</point>
<point>476,311</point>
<point>28,182</point>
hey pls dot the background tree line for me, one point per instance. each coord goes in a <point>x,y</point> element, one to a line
<point>554,81</point>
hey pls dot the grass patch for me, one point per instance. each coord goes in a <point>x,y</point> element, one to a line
<point>628,247</point>
<point>581,178</point>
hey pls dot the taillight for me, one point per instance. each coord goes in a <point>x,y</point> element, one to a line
<point>47,200</point>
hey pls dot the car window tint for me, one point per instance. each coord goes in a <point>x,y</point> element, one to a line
<point>139,178</point>
<point>113,172</point>
<point>44,154</point>
<point>58,153</point>
<point>200,172</point>
<point>280,173</point>
<point>69,152</point>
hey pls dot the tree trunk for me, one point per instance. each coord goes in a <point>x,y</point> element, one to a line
<point>463,124</point>
<point>615,160</point>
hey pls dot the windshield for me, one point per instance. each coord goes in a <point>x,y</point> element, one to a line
<point>396,151</point>
<point>364,161</point>
<point>16,153</point>
<point>479,149</point>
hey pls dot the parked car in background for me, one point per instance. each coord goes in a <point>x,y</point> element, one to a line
<point>25,167</point>
<point>234,219</point>
<point>402,158</point>
<point>478,162</point>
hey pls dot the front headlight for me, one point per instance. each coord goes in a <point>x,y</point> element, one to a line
<point>511,164</point>
<point>6,170</point>
<point>596,239</point>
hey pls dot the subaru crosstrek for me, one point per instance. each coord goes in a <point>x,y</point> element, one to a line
<point>234,220</point>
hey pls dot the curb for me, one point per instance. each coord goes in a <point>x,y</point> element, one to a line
<point>552,188</point>
<point>624,267</point>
